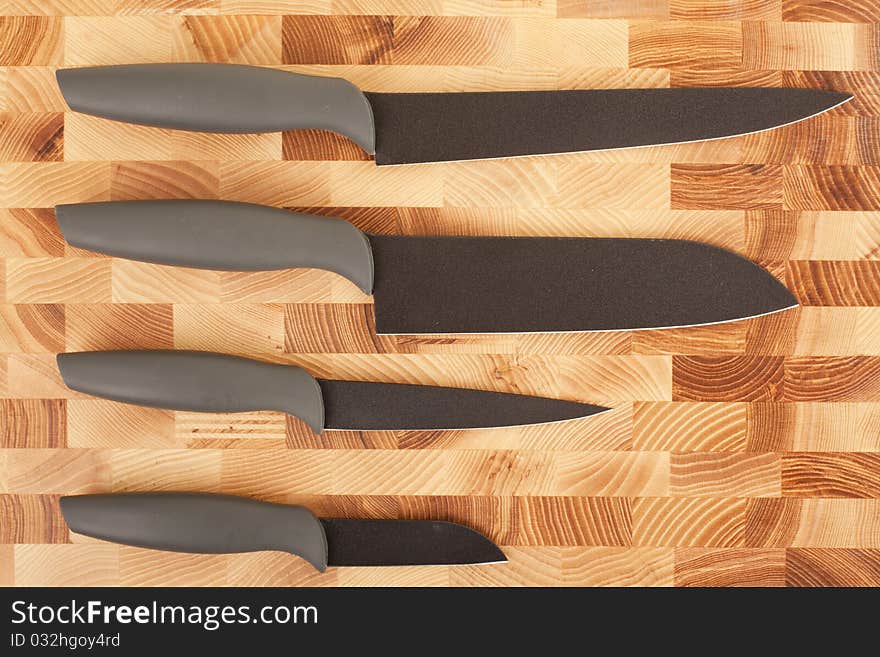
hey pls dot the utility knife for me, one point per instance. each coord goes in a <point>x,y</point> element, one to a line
<point>212,524</point>
<point>218,383</point>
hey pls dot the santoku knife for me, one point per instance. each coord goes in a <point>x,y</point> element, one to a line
<point>212,524</point>
<point>401,128</point>
<point>216,383</point>
<point>446,284</point>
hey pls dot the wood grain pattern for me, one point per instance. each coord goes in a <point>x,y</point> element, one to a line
<point>831,475</point>
<point>634,9</point>
<point>813,235</point>
<point>690,522</point>
<point>829,139</point>
<point>31,40</point>
<point>30,232</point>
<point>32,519</point>
<point>810,187</point>
<point>93,423</point>
<point>752,186</point>
<point>685,427</point>
<point>32,138</point>
<point>832,567</point>
<point>674,9</point>
<point>711,474</point>
<point>734,378</point>
<point>808,46</point>
<point>96,139</point>
<point>835,283</point>
<point>36,423</point>
<point>820,426</point>
<point>832,378</point>
<point>742,10</point>
<point>32,328</point>
<point>832,11</point>
<point>739,567</point>
<point>705,44</point>
<point>742,454</point>
<point>813,522</point>
<point>91,327</point>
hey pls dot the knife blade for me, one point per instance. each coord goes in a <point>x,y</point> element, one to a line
<point>400,128</point>
<point>217,383</point>
<point>446,284</point>
<point>223,524</point>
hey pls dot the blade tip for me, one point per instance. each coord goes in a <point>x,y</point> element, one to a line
<point>590,410</point>
<point>787,302</point>
<point>841,98</point>
<point>598,410</point>
<point>831,99</point>
<point>496,556</point>
<point>482,544</point>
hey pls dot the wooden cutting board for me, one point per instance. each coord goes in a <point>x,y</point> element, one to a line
<point>746,453</point>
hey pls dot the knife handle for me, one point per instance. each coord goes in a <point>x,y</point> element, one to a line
<point>219,98</point>
<point>195,381</point>
<point>219,235</point>
<point>198,522</point>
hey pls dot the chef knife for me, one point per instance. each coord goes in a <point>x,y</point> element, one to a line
<point>217,383</point>
<point>213,524</point>
<point>446,284</point>
<point>401,128</point>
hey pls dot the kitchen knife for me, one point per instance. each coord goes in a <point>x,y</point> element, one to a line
<point>401,128</point>
<point>216,383</point>
<point>446,284</point>
<point>213,524</point>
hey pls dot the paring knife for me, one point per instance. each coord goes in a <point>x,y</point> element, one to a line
<point>446,284</point>
<point>212,524</point>
<point>402,128</point>
<point>216,383</point>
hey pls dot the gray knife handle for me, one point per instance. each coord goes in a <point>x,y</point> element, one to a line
<point>219,98</point>
<point>219,235</point>
<point>198,522</point>
<point>195,381</point>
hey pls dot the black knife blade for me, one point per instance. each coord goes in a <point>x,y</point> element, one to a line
<point>403,128</point>
<point>436,127</point>
<point>216,524</point>
<point>356,542</point>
